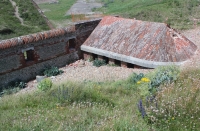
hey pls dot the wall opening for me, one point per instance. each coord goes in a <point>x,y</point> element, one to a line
<point>117,62</point>
<point>106,59</point>
<point>72,43</point>
<point>29,55</point>
<point>94,56</point>
<point>129,65</point>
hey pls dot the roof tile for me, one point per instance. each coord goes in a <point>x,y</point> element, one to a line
<point>150,41</point>
<point>35,37</point>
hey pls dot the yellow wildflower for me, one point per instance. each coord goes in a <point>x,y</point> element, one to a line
<point>144,79</point>
<point>138,82</point>
<point>172,118</point>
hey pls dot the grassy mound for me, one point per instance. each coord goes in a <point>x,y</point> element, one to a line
<point>177,13</point>
<point>10,25</point>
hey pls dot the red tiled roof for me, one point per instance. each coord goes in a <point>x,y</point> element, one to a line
<point>35,37</point>
<point>149,41</point>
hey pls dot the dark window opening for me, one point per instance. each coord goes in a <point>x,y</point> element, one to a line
<point>117,62</point>
<point>72,44</point>
<point>29,55</point>
<point>106,59</point>
<point>129,65</point>
<point>94,56</point>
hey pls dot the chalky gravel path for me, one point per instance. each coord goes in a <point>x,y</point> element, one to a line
<point>17,12</point>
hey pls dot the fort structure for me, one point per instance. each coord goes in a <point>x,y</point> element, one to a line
<point>126,42</point>
<point>22,58</point>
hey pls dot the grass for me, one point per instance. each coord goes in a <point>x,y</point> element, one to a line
<point>73,106</point>
<point>11,27</point>
<point>178,104</point>
<point>108,105</point>
<point>177,13</point>
<point>56,13</point>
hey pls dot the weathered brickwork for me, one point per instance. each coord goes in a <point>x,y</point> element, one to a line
<point>29,72</point>
<point>49,51</point>
<point>24,57</point>
<point>9,63</point>
<point>83,31</point>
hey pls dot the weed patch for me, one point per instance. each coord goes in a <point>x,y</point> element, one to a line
<point>99,63</point>
<point>45,84</point>
<point>52,71</point>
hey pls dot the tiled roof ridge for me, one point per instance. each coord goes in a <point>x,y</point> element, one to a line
<point>8,43</point>
<point>107,20</point>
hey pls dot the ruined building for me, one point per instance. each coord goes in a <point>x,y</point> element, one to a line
<point>123,41</point>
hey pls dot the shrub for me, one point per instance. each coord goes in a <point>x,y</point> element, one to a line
<point>13,87</point>
<point>52,71</point>
<point>10,90</point>
<point>99,63</point>
<point>135,77</point>
<point>45,84</point>
<point>164,74</point>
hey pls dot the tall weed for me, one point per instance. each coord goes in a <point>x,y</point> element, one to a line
<point>176,106</point>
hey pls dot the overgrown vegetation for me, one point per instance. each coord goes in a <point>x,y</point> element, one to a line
<point>176,106</point>
<point>120,105</point>
<point>12,88</point>
<point>10,25</point>
<point>45,84</point>
<point>177,13</point>
<point>52,71</point>
<point>99,63</point>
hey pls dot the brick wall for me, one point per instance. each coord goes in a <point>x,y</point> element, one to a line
<point>83,31</point>
<point>24,57</point>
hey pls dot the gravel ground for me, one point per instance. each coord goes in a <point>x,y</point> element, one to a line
<point>194,36</point>
<point>84,7</point>
<point>84,71</point>
<point>43,1</point>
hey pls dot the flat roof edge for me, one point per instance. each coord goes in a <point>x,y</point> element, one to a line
<point>128,59</point>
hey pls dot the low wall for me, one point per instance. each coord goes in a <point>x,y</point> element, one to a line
<point>22,58</point>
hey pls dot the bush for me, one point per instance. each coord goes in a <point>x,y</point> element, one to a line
<point>52,71</point>
<point>135,77</point>
<point>164,74</point>
<point>45,84</point>
<point>141,82</point>
<point>99,63</point>
<point>13,87</point>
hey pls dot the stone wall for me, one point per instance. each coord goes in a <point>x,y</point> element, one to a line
<point>83,30</point>
<point>24,57</point>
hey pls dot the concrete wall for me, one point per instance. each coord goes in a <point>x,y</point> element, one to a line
<point>50,48</point>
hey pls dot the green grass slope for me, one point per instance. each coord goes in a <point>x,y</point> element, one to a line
<point>163,100</point>
<point>10,25</point>
<point>177,13</point>
<point>56,13</point>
